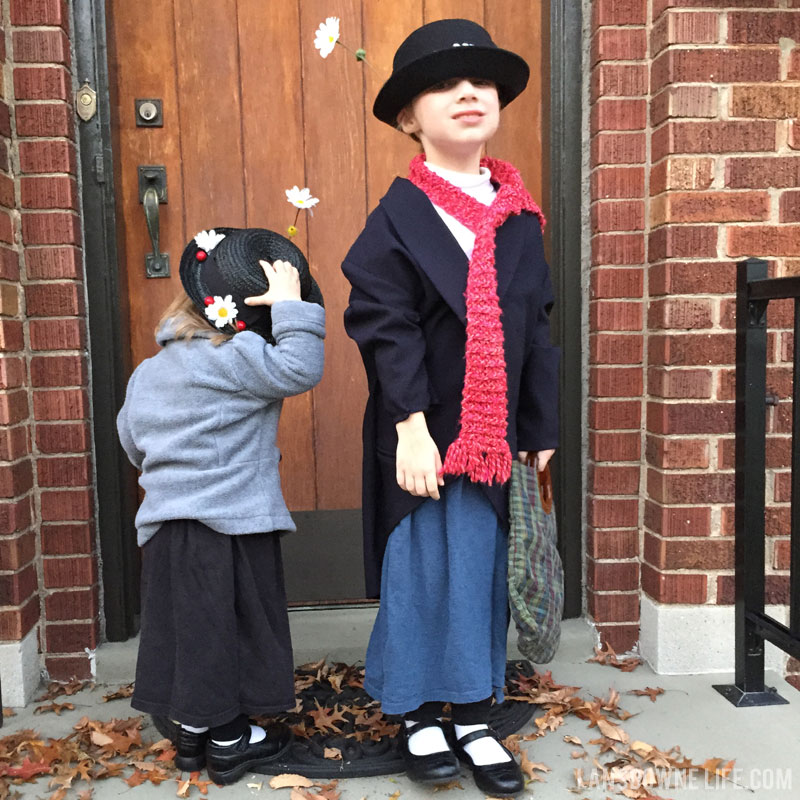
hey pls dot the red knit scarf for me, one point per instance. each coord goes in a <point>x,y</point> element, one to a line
<point>481,450</point>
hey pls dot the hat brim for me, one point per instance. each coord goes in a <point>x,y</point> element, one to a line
<point>507,70</point>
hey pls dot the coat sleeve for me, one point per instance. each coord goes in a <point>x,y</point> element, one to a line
<point>135,456</point>
<point>383,317</point>
<point>293,364</point>
<point>537,414</point>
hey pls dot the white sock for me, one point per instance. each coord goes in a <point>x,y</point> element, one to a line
<point>486,750</point>
<point>426,741</point>
<point>192,729</point>
<point>257,734</point>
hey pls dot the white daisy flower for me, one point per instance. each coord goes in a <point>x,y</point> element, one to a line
<point>326,36</point>
<point>222,311</point>
<point>301,198</point>
<point>208,240</point>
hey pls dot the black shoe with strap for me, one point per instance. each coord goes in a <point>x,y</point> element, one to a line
<point>503,779</point>
<point>432,769</point>
<point>190,750</point>
<point>227,763</point>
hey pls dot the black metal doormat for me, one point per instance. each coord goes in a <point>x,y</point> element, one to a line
<point>341,732</point>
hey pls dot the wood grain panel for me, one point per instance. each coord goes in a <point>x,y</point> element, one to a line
<point>142,55</point>
<point>450,9</point>
<point>334,148</point>
<point>272,135</point>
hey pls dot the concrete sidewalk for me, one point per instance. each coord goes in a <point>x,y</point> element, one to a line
<point>765,742</point>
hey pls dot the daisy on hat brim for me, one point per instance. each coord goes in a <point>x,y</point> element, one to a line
<point>440,51</point>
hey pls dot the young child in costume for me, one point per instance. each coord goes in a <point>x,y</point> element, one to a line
<point>449,306</point>
<point>200,421</point>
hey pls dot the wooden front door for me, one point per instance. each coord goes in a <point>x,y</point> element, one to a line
<point>249,110</point>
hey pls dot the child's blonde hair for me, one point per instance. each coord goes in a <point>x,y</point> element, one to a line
<point>188,321</point>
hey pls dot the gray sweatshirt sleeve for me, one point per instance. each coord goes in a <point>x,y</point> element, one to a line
<point>135,455</point>
<point>292,365</point>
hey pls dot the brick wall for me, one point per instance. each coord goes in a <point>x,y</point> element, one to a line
<point>48,559</point>
<point>695,162</point>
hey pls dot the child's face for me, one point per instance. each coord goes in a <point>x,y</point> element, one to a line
<point>453,116</point>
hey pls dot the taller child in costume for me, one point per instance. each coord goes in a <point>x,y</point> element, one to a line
<point>449,306</point>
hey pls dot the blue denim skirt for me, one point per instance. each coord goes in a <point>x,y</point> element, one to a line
<point>440,633</point>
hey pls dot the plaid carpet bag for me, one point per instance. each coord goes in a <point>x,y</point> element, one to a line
<point>535,573</point>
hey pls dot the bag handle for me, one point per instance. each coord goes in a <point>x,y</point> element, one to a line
<point>545,482</point>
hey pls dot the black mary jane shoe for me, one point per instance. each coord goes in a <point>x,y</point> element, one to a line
<point>503,779</point>
<point>190,750</point>
<point>227,763</point>
<point>433,769</point>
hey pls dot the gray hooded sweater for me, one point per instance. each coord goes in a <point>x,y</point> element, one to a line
<point>200,422</point>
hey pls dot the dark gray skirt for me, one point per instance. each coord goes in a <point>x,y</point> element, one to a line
<point>215,639</point>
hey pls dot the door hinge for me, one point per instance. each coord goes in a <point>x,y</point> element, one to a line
<point>99,169</point>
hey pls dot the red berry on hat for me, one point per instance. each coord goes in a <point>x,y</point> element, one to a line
<point>240,325</point>
<point>201,255</point>
<point>209,300</point>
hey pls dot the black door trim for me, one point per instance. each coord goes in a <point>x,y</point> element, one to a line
<point>109,352</point>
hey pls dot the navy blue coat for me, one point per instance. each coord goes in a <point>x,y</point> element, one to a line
<point>407,313</point>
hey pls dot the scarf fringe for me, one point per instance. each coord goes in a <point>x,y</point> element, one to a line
<point>464,457</point>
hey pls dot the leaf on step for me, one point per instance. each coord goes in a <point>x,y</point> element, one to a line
<point>286,780</point>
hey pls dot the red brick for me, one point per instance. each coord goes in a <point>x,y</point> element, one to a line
<point>715,65</point>
<point>618,148</point>
<point>13,407</point>
<point>614,480</point>
<point>49,263</point>
<point>55,371</point>
<point>41,83</point>
<point>773,172</point>
<point>777,521</point>
<point>622,638</point>
<point>794,135</point>
<point>9,264</point>
<point>57,191</point>
<point>40,12</point>
<point>4,160</point>
<point>696,553</point>
<point>715,277</point>
<point>12,372</point>
<point>665,588</point>
<point>710,207</point>
<point>16,552</point>
<point>618,115</point>
<point>63,438</point>
<point>683,241</point>
<point>675,27</point>
<point>692,349</point>
<point>617,249</point>
<point>60,668</point>
<point>617,182</point>
<point>16,623</point>
<point>54,227</point>
<point>47,156</point>
<point>15,479</point>
<point>677,521</point>
<point>615,414</point>
<point>7,192</point>
<point>613,607</point>
<point>713,137</point>
<point>782,555</point>
<point>41,47</point>
<point>63,540</point>
<point>608,512</point>
<point>617,215</point>
<point>762,27</point>
<point>677,453</point>
<point>684,101</point>
<point>54,299</point>
<point>689,418</point>
<point>670,487</point>
<point>615,315</point>
<point>69,573</point>
<point>790,206</point>
<point>612,544</point>
<point>764,240</point>
<point>622,577</point>
<point>681,313</point>
<point>15,516</point>
<point>614,446</point>
<point>783,481</point>
<point>5,130</point>
<point>619,80</point>
<point>615,44</point>
<point>57,334</point>
<point>58,404</point>
<point>64,472</point>
<point>619,12</point>
<point>611,283</point>
<point>776,589</point>
<point>71,637</point>
<point>621,348</point>
<point>17,587</point>
<point>615,382</point>
<point>81,604</point>
<point>67,505</point>
<point>14,443</point>
<point>765,102</point>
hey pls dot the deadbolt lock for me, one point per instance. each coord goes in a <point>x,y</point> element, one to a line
<point>149,113</point>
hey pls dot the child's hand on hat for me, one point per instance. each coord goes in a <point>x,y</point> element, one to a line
<point>284,284</point>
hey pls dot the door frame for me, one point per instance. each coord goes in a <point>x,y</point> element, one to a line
<point>109,352</point>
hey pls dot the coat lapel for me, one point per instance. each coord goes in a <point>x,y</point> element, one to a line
<point>436,250</point>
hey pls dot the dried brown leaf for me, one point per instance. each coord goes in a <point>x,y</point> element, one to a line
<point>119,694</point>
<point>287,779</point>
<point>648,691</point>
<point>56,708</point>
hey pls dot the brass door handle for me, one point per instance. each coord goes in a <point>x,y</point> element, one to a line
<point>153,192</point>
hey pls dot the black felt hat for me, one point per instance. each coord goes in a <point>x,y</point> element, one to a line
<point>445,49</point>
<point>225,261</point>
